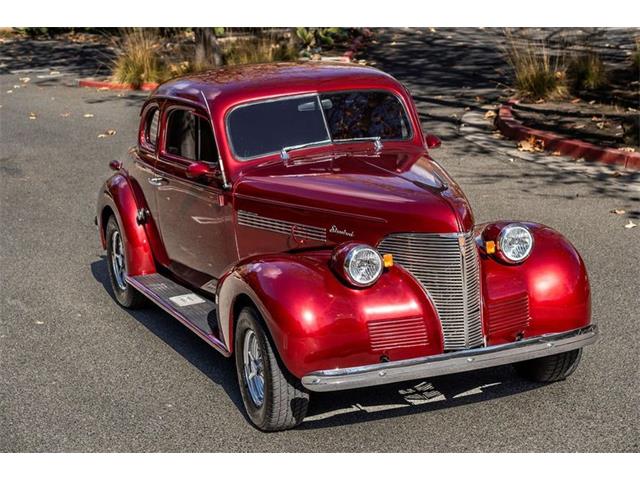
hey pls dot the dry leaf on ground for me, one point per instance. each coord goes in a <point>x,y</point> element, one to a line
<point>108,133</point>
<point>627,149</point>
<point>575,100</point>
<point>630,225</point>
<point>618,211</point>
<point>25,79</point>
<point>531,144</point>
<point>490,114</point>
<point>65,114</point>
<point>88,115</point>
<point>33,116</point>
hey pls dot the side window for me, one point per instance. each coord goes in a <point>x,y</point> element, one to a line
<point>151,127</point>
<point>190,136</point>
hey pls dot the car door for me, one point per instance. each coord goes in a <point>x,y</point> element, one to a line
<point>195,216</point>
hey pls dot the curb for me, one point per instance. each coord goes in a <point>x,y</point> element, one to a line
<point>346,57</point>
<point>516,130</point>
<point>89,83</point>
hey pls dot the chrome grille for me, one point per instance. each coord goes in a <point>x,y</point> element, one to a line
<point>449,271</point>
<point>250,219</point>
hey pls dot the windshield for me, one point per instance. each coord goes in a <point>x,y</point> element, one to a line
<point>264,128</point>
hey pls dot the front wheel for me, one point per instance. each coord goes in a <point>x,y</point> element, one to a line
<point>550,369</point>
<point>273,398</point>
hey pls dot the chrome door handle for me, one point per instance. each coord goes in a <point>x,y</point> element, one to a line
<point>157,181</point>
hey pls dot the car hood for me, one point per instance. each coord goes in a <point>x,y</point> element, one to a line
<point>361,196</point>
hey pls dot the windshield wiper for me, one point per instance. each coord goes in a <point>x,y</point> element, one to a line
<point>284,153</point>
<point>377,142</point>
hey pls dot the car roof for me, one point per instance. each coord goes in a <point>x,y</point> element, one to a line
<point>240,83</point>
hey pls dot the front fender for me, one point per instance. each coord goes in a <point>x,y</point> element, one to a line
<point>317,322</point>
<point>118,197</point>
<point>547,293</point>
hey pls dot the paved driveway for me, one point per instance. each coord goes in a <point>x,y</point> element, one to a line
<point>78,373</point>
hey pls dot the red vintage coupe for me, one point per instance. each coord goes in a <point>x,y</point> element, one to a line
<point>292,217</point>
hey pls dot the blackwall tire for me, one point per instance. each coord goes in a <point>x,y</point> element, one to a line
<point>550,369</point>
<point>125,294</point>
<point>284,401</point>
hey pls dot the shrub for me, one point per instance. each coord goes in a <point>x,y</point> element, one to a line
<point>586,72</point>
<point>139,58</point>
<point>258,50</point>
<point>537,74</point>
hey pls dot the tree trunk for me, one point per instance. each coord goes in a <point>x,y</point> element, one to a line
<point>208,51</point>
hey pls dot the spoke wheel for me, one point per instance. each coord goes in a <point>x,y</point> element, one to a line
<point>118,261</point>
<point>273,398</point>
<point>125,294</point>
<point>253,367</point>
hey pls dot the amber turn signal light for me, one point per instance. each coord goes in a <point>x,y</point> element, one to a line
<point>387,260</point>
<point>490,247</point>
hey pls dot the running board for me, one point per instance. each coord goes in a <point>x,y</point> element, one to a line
<point>194,311</point>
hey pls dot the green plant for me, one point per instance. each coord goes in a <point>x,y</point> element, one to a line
<point>139,58</point>
<point>320,37</point>
<point>258,50</point>
<point>537,74</point>
<point>586,72</point>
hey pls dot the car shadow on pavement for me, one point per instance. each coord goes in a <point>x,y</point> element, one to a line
<point>216,367</point>
<point>410,398</point>
<point>335,408</point>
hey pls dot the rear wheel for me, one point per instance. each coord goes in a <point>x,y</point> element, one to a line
<point>125,294</point>
<point>550,369</point>
<point>273,398</point>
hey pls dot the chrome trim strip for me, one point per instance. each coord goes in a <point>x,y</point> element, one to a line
<point>448,363</point>
<point>250,219</point>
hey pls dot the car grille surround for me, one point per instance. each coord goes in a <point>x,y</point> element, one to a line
<point>448,268</point>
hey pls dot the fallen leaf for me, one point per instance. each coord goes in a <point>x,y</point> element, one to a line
<point>88,115</point>
<point>555,154</point>
<point>631,109</point>
<point>38,322</point>
<point>575,100</point>
<point>490,114</point>
<point>618,211</point>
<point>65,114</point>
<point>579,126</point>
<point>25,79</point>
<point>32,116</point>
<point>592,102</point>
<point>601,125</point>
<point>466,109</point>
<point>531,144</point>
<point>432,30</point>
<point>102,89</point>
<point>479,98</point>
<point>9,91</point>
<point>16,87</point>
<point>627,149</point>
<point>630,225</point>
<point>540,100</point>
<point>108,133</point>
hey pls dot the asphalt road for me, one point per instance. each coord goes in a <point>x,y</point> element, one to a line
<point>79,373</point>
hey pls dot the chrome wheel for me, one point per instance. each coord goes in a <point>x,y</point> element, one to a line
<point>253,368</point>
<point>117,261</point>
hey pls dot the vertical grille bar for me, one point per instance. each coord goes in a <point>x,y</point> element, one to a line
<point>449,272</point>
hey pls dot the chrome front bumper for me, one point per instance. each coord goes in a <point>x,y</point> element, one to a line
<point>446,363</point>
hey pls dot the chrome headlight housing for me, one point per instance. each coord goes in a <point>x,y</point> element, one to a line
<point>515,243</point>
<point>362,265</point>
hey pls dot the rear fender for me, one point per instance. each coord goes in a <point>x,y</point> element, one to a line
<point>317,322</point>
<point>118,197</point>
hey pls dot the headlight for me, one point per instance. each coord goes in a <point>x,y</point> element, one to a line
<point>359,264</point>
<point>515,242</point>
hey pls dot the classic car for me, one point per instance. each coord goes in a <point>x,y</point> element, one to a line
<point>292,217</point>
